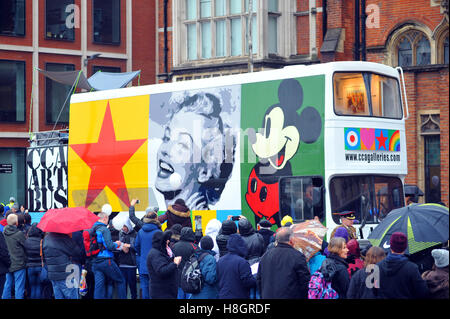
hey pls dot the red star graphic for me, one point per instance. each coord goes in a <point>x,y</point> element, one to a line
<point>106,159</point>
<point>381,141</point>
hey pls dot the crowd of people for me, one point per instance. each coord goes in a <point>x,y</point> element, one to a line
<point>235,259</point>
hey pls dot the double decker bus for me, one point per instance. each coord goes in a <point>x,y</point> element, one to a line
<point>303,141</point>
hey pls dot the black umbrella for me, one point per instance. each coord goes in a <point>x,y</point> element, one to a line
<point>425,225</point>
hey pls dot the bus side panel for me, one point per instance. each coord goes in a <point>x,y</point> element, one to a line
<point>107,156</point>
<point>283,123</point>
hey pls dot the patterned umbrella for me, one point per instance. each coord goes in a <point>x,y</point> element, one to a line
<point>425,225</point>
<point>308,236</point>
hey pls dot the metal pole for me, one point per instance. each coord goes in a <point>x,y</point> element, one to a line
<point>249,36</point>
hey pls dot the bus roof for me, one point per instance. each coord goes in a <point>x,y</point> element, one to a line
<point>294,71</point>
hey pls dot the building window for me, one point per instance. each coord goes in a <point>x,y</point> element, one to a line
<point>445,49</point>
<point>56,101</point>
<point>217,28</point>
<point>106,21</point>
<point>12,17</point>
<point>274,14</point>
<point>13,174</point>
<point>56,20</point>
<point>12,91</point>
<point>430,130</point>
<point>413,48</point>
<point>101,68</point>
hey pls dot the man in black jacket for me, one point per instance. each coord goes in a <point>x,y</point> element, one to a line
<point>399,277</point>
<point>185,247</point>
<point>60,250</point>
<point>283,271</point>
<point>15,241</point>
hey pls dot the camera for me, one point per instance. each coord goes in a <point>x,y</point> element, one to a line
<point>235,218</point>
<point>137,201</point>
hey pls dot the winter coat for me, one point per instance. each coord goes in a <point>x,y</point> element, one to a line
<point>59,251</point>
<point>233,271</point>
<point>283,273</point>
<point>212,230</point>
<point>267,235</point>
<point>437,282</point>
<point>208,268</point>
<point>15,241</point>
<point>228,228</point>
<point>143,244</point>
<point>334,269</point>
<point>400,279</point>
<point>358,289</point>
<point>128,259</point>
<point>104,240</point>
<point>176,214</point>
<point>185,247</point>
<point>253,240</point>
<point>33,247</point>
<point>161,269</point>
<point>5,261</point>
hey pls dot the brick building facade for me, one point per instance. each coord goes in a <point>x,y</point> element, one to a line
<point>62,35</point>
<point>201,39</point>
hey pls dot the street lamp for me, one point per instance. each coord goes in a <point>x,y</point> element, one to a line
<point>94,56</point>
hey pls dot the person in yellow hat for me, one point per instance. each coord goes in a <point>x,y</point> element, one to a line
<point>347,219</point>
<point>287,221</point>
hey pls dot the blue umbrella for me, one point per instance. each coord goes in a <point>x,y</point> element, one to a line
<point>425,225</point>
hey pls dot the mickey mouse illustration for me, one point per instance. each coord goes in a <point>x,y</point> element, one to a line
<point>283,129</point>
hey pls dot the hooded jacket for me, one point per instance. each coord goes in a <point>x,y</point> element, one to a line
<point>15,241</point>
<point>185,247</point>
<point>233,271</point>
<point>334,270</point>
<point>128,259</point>
<point>176,214</point>
<point>253,240</point>
<point>208,268</point>
<point>161,268</point>
<point>212,230</point>
<point>143,244</point>
<point>437,282</point>
<point>5,261</point>
<point>33,247</point>
<point>400,279</point>
<point>283,273</point>
<point>59,251</point>
<point>228,228</point>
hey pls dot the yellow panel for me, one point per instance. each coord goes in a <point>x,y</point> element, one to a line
<point>130,117</point>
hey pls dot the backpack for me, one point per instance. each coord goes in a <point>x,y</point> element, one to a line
<point>191,276</point>
<point>319,288</point>
<point>91,246</point>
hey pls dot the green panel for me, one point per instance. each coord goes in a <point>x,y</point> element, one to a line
<point>303,113</point>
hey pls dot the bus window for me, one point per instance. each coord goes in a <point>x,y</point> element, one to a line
<point>385,97</point>
<point>350,97</point>
<point>351,92</point>
<point>301,198</point>
<point>370,197</point>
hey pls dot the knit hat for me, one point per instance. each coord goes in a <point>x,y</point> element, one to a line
<point>150,217</point>
<point>151,209</point>
<point>342,232</point>
<point>176,229</point>
<point>399,242</point>
<point>265,223</point>
<point>440,257</point>
<point>107,209</point>
<point>206,243</point>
